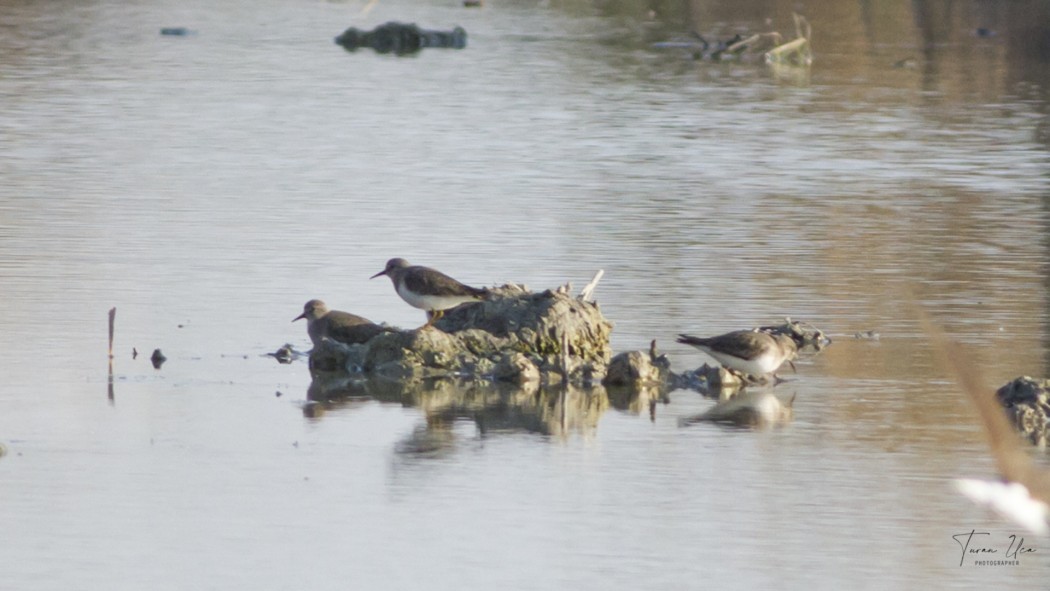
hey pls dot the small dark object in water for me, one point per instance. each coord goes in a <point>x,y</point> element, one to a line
<point>473,3</point>
<point>176,31</point>
<point>285,354</point>
<point>869,335</point>
<point>400,38</point>
<point>278,393</point>
<point>722,46</point>
<point>157,359</point>
<point>984,32</point>
<point>700,47</point>
<point>134,353</point>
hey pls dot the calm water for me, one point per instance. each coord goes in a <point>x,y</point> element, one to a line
<point>206,186</point>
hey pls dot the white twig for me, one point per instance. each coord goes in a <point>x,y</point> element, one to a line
<point>585,293</point>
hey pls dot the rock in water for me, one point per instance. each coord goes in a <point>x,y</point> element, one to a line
<point>401,38</point>
<point>482,340</point>
<point>1027,402</point>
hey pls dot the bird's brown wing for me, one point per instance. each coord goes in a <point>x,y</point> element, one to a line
<point>744,344</point>
<point>350,328</point>
<point>356,333</point>
<point>427,281</point>
<point>337,318</point>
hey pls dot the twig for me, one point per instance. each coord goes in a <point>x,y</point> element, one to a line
<point>802,27</point>
<point>112,318</point>
<point>109,381</point>
<point>755,42</point>
<point>796,51</point>
<point>585,293</point>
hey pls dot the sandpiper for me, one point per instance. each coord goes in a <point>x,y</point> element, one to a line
<point>428,289</point>
<point>746,351</point>
<point>339,326</point>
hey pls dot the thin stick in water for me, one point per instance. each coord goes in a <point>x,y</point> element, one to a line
<point>109,382</point>
<point>112,319</point>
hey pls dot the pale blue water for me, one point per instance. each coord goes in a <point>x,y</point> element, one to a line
<point>206,186</point>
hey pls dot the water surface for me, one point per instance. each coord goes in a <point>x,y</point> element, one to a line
<point>206,186</point>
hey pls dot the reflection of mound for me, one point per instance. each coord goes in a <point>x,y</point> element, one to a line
<point>635,400</point>
<point>492,407</point>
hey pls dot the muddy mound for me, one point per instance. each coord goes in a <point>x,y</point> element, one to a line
<point>513,335</point>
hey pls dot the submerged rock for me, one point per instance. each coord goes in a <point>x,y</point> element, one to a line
<point>1027,403</point>
<point>401,38</point>
<point>633,367</point>
<point>513,335</point>
<point>713,380</point>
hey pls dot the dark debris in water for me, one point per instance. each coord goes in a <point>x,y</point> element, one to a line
<point>286,354</point>
<point>401,38</point>
<point>177,32</point>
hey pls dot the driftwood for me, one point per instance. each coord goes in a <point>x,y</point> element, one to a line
<point>796,52</point>
<point>770,45</point>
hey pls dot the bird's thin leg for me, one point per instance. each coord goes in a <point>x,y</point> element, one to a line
<point>432,317</point>
<point>430,320</point>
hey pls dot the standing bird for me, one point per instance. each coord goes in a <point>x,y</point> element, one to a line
<point>747,351</point>
<point>428,289</point>
<point>339,326</point>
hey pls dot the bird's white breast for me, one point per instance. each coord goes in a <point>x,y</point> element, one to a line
<point>430,302</point>
<point>765,363</point>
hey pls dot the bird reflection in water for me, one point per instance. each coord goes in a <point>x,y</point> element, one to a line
<point>752,409</point>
